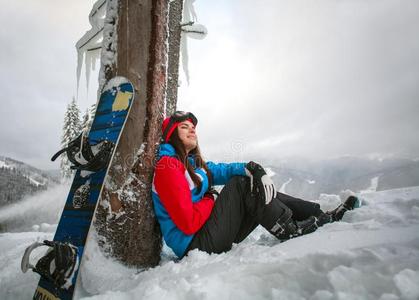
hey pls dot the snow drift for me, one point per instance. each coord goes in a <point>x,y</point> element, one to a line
<point>372,254</point>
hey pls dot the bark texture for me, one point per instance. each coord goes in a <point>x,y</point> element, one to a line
<point>125,219</point>
<point>175,20</point>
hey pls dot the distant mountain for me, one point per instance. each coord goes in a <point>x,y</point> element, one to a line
<point>308,179</point>
<point>18,179</point>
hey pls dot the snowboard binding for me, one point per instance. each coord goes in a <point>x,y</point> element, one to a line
<point>87,157</point>
<point>58,265</point>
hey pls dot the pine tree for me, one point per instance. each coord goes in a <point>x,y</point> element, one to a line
<point>88,117</point>
<point>85,125</point>
<point>92,112</point>
<point>71,129</point>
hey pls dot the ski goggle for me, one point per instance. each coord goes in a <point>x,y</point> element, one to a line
<point>177,117</point>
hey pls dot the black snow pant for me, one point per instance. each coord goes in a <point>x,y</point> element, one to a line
<point>237,213</point>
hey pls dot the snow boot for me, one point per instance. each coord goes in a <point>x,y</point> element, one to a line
<point>338,212</point>
<point>58,265</point>
<point>277,219</point>
<point>311,224</point>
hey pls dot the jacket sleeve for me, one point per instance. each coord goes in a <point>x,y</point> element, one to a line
<point>175,195</point>
<point>222,172</point>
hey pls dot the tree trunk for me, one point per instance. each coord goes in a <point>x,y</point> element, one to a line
<point>175,19</point>
<point>125,219</point>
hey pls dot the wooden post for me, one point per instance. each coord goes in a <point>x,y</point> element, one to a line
<point>125,219</point>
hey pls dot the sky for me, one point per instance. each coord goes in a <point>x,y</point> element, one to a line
<point>315,79</point>
<point>38,75</point>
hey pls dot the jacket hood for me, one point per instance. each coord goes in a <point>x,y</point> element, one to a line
<point>166,150</point>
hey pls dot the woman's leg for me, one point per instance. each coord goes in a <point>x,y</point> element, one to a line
<point>236,214</point>
<point>309,212</point>
<point>230,221</point>
<point>301,209</point>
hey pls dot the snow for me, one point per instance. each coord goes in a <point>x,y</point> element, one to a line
<point>190,29</point>
<point>110,38</point>
<point>407,282</point>
<point>34,210</point>
<point>195,31</point>
<point>114,82</point>
<point>284,185</point>
<point>189,13</point>
<point>89,45</point>
<point>4,165</point>
<point>373,186</point>
<point>35,182</point>
<point>99,42</point>
<point>270,172</point>
<point>372,254</point>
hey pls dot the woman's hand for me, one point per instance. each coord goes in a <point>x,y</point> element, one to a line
<point>260,183</point>
<point>212,192</point>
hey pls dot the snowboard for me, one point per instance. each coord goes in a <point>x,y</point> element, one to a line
<point>111,114</point>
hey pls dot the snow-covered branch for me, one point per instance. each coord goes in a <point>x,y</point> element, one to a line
<point>89,45</point>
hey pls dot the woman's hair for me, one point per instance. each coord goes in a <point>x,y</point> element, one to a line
<point>175,141</point>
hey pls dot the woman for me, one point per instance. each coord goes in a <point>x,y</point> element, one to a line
<point>193,215</point>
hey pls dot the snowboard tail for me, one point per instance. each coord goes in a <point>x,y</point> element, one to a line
<point>111,114</point>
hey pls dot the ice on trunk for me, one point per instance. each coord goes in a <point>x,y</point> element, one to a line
<point>89,45</point>
<point>195,31</point>
<point>109,43</point>
<point>190,29</point>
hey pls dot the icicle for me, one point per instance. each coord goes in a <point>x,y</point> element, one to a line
<point>87,63</point>
<point>91,40</point>
<point>95,58</point>
<point>189,29</point>
<point>189,13</point>
<point>184,54</point>
<point>90,63</point>
<point>80,55</point>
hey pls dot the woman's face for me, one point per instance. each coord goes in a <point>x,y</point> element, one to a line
<point>187,134</point>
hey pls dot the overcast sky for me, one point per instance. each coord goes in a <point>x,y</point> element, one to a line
<point>272,79</point>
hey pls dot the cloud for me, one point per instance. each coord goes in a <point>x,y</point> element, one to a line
<point>37,74</point>
<point>342,74</point>
<point>272,78</point>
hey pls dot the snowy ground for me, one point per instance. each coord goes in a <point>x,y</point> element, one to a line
<point>372,254</point>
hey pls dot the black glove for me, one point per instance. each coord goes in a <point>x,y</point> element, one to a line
<point>260,183</point>
<point>213,192</point>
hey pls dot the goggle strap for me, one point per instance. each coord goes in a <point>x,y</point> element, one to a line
<point>182,116</point>
<point>166,131</point>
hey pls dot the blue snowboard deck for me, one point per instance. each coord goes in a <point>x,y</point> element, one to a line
<point>111,113</point>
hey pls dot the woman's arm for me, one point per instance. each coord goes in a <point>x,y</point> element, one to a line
<point>175,195</point>
<point>222,172</point>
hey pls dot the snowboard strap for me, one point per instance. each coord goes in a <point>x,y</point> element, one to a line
<point>99,160</point>
<point>25,265</point>
<point>58,265</point>
<point>81,154</point>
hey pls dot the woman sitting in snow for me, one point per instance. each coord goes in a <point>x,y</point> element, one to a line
<point>193,215</point>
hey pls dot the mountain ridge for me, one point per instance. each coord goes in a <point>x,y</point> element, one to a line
<point>18,179</point>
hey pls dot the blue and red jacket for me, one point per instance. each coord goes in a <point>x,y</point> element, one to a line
<point>180,208</point>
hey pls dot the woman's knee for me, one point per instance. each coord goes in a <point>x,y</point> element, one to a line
<point>241,183</point>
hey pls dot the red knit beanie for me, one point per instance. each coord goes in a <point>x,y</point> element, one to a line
<point>172,128</point>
